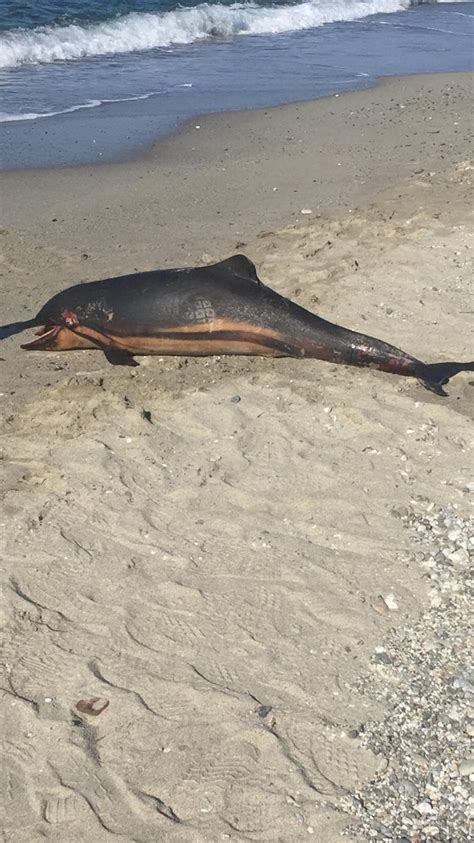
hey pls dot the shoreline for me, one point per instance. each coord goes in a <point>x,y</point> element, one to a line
<point>186,125</point>
<point>299,66</point>
<point>189,123</point>
<point>262,158</point>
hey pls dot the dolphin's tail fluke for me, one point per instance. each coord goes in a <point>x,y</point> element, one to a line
<point>17,327</point>
<point>435,375</point>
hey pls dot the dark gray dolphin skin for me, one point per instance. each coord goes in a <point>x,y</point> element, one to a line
<point>219,309</point>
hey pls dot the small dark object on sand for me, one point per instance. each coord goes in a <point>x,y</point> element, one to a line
<point>264,710</point>
<point>93,706</point>
<point>201,311</point>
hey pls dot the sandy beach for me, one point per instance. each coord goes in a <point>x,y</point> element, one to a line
<point>247,558</point>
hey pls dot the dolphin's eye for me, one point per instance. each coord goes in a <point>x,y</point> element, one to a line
<point>70,319</point>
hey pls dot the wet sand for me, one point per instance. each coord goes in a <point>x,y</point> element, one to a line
<point>215,546</point>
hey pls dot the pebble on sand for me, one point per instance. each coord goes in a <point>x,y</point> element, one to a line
<point>466,768</point>
<point>93,705</point>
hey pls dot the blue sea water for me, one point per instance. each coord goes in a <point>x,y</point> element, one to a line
<point>84,81</point>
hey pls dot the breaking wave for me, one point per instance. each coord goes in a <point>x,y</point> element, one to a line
<point>145,31</point>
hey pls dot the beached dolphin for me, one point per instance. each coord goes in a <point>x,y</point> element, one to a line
<point>219,309</point>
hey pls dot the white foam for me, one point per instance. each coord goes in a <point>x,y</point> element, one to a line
<point>134,32</point>
<point>37,115</point>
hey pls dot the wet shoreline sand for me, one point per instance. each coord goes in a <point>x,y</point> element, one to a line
<point>242,172</point>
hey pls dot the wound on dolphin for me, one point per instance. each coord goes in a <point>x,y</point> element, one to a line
<point>219,309</point>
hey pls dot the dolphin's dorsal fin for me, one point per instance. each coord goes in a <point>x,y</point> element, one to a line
<point>240,266</point>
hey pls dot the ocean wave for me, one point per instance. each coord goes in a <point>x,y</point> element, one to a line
<point>145,31</point>
<point>38,115</point>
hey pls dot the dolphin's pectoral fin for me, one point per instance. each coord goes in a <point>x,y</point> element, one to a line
<point>114,352</point>
<point>119,356</point>
<point>240,266</point>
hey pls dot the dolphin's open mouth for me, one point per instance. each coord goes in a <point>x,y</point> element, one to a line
<point>57,338</point>
<point>46,336</point>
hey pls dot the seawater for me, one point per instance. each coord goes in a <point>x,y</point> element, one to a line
<point>93,80</point>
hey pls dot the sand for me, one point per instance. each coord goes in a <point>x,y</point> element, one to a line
<point>216,547</point>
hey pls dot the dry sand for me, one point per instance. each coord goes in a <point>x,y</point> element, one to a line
<point>215,546</point>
